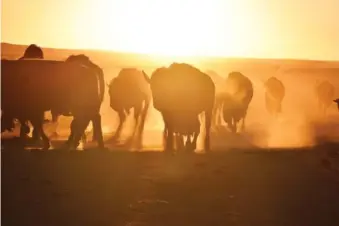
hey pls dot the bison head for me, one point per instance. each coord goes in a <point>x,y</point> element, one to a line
<point>33,51</point>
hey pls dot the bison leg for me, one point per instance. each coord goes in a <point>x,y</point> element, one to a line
<point>164,136</point>
<point>95,127</point>
<point>179,141</point>
<point>73,128</point>
<point>37,123</point>
<point>137,112</point>
<point>70,139</point>
<point>78,127</point>
<point>243,122</point>
<point>24,129</point>
<point>36,136</point>
<point>208,119</point>
<point>215,117</point>
<point>122,118</point>
<point>219,116</point>
<point>55,124</point>
<point>95,133</point>
<point>84,138</point>
<point>165,131</point>
<point>168,133</point>
<point>230,125</point>
<point>169,140</point>
<point>188,144</point>
<point>142,121</point>
<point>194,142</point>
<point>233,126</point>
<point>191,143</point>
<point>242,128</point>
<point>97,130</point>
<point>142,112</point>
<point>7,123</point>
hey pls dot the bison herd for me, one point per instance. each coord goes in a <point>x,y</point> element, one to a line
<point>184,95</point>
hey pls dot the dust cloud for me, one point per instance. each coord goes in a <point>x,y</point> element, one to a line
<point>299,124</point>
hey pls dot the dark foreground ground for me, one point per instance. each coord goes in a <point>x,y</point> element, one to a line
<point>260,188</point>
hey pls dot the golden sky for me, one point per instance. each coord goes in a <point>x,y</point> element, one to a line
<point>250,28</point>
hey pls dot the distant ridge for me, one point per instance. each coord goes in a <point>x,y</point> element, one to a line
<point>13,51</point>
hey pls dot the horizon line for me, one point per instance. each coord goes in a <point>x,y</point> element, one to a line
<point>178,56</point>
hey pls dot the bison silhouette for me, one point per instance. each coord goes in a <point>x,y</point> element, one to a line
<point>324,92</point>
<point>46,85</point>
<point>274,95</point>
<point>181,93</point>
<point>85,61</point>
<point>130,90</point>
<point>238,96</point>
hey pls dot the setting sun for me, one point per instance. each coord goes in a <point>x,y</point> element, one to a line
<point>168,27</point>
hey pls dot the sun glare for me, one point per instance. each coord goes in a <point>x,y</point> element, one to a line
<point>177,28</point>
<point>171,28</point>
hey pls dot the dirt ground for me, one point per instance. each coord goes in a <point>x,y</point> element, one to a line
<point>239,187</point>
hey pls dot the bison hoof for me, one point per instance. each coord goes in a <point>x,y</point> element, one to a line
<point>46,146</point>
<point>180,144</point>
<point>194,147</point>
<point>36,138</point>
<point>67,145</point>
<point>207,147</point>
<point>24,137</point>
<point>101,144</point>
<point>169,148</point>
<point>190,148</point>
<point>84,139</point>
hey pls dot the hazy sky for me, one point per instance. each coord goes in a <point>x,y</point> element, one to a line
<point>251,28</point>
